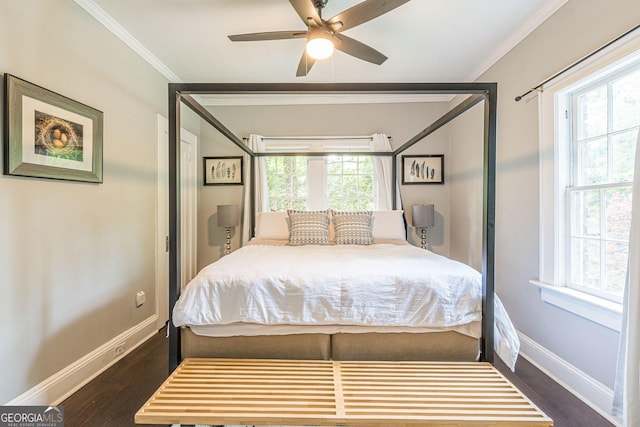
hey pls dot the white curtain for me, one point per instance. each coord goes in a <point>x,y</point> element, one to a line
<point>382,167</point>
<point>256,143</point>
<point>626,404</point>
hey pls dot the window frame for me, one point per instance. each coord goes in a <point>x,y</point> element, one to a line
<point>358,175</point>
<point>553,213</point>
<point>313,148</point>
<point>572,141</point>
<point>289,176</point>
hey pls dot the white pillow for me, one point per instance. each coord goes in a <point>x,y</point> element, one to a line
<point>389,225</point>
<point>272,225</point>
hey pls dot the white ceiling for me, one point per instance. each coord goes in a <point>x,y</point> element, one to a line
<point>425,40</point>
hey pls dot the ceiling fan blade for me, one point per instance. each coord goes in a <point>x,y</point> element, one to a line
<point>272,35</point>
<point>306,10</point>
<point>305,64</point>
<point>361,13</point>
<point>359,50</point>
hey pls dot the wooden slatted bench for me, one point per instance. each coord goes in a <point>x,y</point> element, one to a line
<point>331,393</point>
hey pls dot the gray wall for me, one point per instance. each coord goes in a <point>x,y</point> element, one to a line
<point>578,28</point>
<point>466,200</point>
<point>73,255</point>
<point>211,238</point>
<point>401,121</point>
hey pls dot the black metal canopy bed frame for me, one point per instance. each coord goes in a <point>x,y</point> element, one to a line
<point>329,388</point>
<point>182,93</point>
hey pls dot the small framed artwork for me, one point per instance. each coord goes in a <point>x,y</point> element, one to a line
<point>48,135</point>
<point>222,170</point>
<point>423,169</point>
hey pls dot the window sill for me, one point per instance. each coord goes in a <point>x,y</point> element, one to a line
<point>598,310</point>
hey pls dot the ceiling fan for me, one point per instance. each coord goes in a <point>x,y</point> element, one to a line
<point>325,35</point>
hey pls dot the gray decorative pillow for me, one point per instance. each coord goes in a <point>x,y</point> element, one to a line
<point>353,228</point>
<point>308,227</point>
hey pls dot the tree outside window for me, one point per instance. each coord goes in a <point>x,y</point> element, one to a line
<point>605,120</point>
<point>347,182</point>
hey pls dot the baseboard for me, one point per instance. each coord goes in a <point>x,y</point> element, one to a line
<point>592,392</point>
<point>65,382</point>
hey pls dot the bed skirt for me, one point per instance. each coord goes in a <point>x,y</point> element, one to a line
<point>433,346</point>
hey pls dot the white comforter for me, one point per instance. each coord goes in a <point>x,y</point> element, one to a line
<point>381,285</point>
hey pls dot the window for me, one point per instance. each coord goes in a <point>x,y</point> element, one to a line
<point>340,182</point>
<point>315,182</point>
<point>589,124</point>
<point>602,122</point>
<point>350,182</point>
<point>287,182</point>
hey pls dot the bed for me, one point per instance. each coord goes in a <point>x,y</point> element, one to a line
<point>187,348</point>
<point>182,94</point>
<point>350,288</point>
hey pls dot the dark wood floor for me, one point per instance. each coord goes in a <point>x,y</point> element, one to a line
<point>115,396</point>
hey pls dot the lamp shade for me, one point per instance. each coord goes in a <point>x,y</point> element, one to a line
<point>423,216</point>
<point>227,215</point>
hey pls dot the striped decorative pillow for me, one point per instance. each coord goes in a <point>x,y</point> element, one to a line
<point>353,228</point>
<point>308,227</point>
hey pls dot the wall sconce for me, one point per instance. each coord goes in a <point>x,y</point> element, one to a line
<point>228,217</point>
<point>423,216</point>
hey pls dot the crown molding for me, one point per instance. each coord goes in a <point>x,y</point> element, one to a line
<point>100,15</point>
<point>92,8</point>
<point>517,36</point>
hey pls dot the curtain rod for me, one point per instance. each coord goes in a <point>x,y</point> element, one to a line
<point>313,138</point>
<point>581,60</point>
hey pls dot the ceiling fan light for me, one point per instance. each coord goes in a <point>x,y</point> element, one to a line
<point>320,46</point>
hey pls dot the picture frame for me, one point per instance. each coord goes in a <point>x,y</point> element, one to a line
<point>48,135</point>
<point>423,169</point>
<point>222,170</point>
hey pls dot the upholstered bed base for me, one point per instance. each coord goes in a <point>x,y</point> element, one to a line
<point>301,346</point>
<point>447,346</point>
<point>434,346</point>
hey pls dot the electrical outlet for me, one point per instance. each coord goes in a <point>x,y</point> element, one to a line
<point>140,298</point>
<point>119,349</point>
